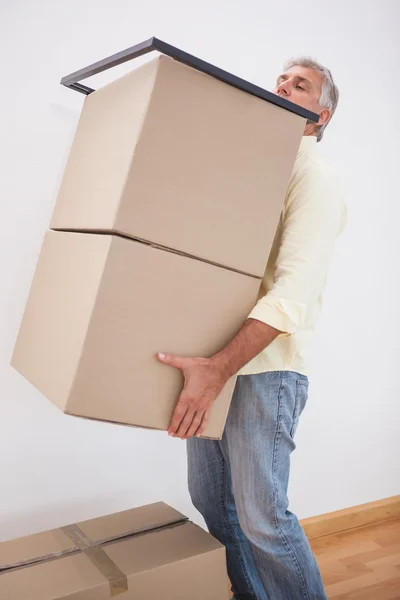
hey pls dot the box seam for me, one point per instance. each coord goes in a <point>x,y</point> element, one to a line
<point>157,247</point>
<point>102,543</point>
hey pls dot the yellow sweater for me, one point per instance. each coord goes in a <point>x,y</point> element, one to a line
<point>291,293</point>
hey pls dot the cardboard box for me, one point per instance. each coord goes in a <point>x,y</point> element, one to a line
<point>102,306</point>
<point>147,553</point>
<point>173,156</point>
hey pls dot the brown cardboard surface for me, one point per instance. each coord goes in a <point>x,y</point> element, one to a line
<point>102,306</point>
<point>176,157</point>
<point>57,314</point>
<point>39,546</point>
<point>170,563</point>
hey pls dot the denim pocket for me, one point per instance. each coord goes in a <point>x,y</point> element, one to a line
<point>299,403</point>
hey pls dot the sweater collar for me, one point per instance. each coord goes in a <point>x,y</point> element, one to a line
<point>308,143</point>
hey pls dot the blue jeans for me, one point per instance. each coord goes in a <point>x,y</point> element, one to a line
<point>239,485</point>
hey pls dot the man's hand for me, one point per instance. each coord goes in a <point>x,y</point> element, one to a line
<point>203,381</point>
<point>205,377</point>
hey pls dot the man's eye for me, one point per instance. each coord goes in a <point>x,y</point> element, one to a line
<point>299,87</point>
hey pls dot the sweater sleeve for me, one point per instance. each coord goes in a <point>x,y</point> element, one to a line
<point>314,216</point>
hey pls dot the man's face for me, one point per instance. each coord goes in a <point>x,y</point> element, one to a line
<point>302,86</point>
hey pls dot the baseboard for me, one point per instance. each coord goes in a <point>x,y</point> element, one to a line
<point>349,518</point>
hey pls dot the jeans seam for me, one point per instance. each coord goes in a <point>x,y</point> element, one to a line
<point>231,531</point>
<point>296,410</point>
<point>275,493</point>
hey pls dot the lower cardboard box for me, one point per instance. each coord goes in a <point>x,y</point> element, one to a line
<point>102,306</point>
<point>148,553</point>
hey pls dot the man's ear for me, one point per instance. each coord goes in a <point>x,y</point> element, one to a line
<point>324,116</point>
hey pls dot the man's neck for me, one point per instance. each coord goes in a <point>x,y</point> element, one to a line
<point>310,130</point>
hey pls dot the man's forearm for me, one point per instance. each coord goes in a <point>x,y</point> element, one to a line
<point>247,343</point>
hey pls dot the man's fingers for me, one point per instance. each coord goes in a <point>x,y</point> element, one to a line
<point>179,362</point>
<point>196,422</point>
<point>179,414</point>
<point>185,423</point>
<point>203,425</point>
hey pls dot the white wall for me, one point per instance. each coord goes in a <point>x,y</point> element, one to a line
<point>55,468</point>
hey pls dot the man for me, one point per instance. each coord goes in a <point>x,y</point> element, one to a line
<point>239,484</point>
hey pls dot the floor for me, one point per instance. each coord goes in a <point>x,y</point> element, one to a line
<point>361,564</point>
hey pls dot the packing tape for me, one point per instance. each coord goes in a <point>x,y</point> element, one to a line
<point>99,558</point>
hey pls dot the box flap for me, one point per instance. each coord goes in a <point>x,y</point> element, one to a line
<point>157,549</point>
<point>59,542</point>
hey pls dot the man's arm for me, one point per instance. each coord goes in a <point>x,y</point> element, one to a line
<point>252,339</point>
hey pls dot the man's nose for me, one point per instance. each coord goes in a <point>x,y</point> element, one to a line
<point>283,89</point>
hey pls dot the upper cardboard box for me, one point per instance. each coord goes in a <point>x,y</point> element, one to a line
<point>140,554</point>
<point>174,156</point>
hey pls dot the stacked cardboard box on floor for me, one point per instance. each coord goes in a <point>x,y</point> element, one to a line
<point>160,236</point>
<point>147,553</point>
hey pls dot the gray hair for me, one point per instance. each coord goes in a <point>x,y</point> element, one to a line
<point>330,93</point>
